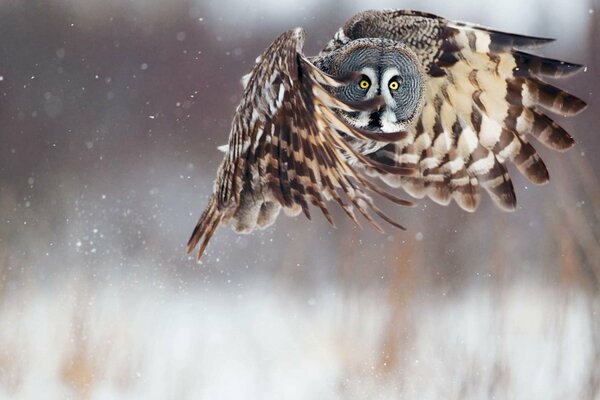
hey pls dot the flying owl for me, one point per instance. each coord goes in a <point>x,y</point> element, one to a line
<point>433,106</point>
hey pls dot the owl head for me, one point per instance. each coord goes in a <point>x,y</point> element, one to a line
<point>383,68</point>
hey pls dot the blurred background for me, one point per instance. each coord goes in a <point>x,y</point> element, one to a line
<point>111,113</point>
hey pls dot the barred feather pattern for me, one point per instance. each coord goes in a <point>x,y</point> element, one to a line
<point>484,99</point>
<point>285,150</point>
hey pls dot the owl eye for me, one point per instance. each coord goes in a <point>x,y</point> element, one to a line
<point>364,83</point>
<point>393,85</point>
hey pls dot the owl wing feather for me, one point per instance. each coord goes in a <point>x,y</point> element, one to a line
<point>285,150</point>
<point>484,98</point>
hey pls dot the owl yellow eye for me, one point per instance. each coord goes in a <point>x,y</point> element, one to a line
<point>364,83</point>
<point>394,85</point>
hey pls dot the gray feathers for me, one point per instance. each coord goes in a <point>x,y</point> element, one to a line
<point>482,102</point>
<point>382,63</point>
<point>430,105</point>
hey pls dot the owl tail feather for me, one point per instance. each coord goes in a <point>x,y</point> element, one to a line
<point>206,227</point>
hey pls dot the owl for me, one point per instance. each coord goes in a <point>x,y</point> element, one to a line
<point>396,98</point>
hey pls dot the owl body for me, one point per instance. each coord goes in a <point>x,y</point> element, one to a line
<point>430,105</point>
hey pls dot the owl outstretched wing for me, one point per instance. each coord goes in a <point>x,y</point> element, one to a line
<point>484,97</point>
<point>285,150</point>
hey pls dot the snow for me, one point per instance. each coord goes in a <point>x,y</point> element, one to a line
<point>124,342</point>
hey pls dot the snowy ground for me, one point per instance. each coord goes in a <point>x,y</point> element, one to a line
<point>148,343</point>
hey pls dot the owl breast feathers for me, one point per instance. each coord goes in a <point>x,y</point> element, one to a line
<point>430,105</point>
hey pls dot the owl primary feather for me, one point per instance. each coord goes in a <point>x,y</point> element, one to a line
<point>433,106</point>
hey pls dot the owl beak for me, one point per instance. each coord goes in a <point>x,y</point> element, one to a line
<point>380,102</point>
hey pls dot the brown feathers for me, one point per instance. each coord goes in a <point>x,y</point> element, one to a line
<point>206,226</point>
<point>286,149</point>
<point>482,101</point>
<point>483,98</point>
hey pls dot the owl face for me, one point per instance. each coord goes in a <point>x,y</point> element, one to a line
<point>386,68</point>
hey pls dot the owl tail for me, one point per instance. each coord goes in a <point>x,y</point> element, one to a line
<point>206,227</point>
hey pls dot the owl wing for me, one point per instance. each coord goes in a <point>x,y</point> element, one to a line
<point>285,151</point>
<point>484,99</point>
